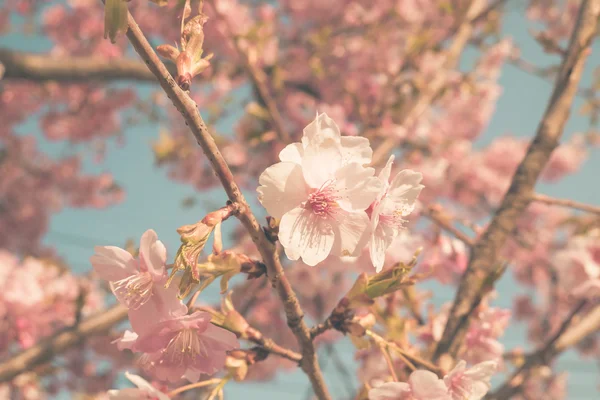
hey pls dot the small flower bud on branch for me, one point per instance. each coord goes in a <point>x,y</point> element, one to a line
<point>189,60</point>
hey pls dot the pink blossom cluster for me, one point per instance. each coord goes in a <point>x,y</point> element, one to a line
<point>38,297</point>
<point>460,383</point>
<point>328,202</point>
<point>173,343</point>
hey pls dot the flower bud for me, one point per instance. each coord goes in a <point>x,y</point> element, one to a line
<point>237,367</point>
<point>167,51</point>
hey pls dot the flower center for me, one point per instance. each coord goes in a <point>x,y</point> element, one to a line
<point>184,348</point>
<point>135,290</point>
<point>395,219</point>
<point>323,202</point>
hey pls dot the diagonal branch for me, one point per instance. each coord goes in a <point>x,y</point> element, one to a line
<point>570,332</point>
<point>485,254</point>
<point>95,325</point>
<point>188,109</point>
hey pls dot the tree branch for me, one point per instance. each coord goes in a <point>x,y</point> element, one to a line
<point>188,109</point>
<point>95,325</point>
<point>255,336</point>
<point>435,214</point>
<point>542,198</point>
<point>42,67</point>
<point>566,336</point>
<point>485,253</point>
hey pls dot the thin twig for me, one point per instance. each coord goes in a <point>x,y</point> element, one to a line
<point>191,386</point>
<point>435,214</point>
<point>321,328</point>
<point>269,344</point>
<point>485,254</point>
<point>553,346</point>
<point>542,198</point>
<point>188,109</point>
<point>389,362</point>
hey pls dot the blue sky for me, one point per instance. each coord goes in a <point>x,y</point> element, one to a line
<point>153,201</point>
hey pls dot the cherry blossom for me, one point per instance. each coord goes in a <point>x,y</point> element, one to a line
<point>421,385</point>
<point>321,196</point>
<point>144,390</point>
<point>472,383</point>
<point>187,345</point>
<point>134,282</point>
<point>395,201</point>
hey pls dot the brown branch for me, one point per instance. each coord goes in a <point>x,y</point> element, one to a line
<point>188,109</point>
<point>269,345</point>
<point>542,198</point>
<point>433,88</point>
<point>566,336</point>
<point>436,214</point>
<point>485,254</point>
<point>43,67</point>
<point>60,342</point>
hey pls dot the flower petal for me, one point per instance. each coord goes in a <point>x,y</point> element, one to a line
<point>390,391</point>
<point>162,306</point>
<point>357,186</point>
<point>282,188</point>
<point>307,235</point>
<point>293,153</point>
<point>384,174</point>
<point>425,385</point>
<point>381,239</point>
<point>112,263</point>
<point>321,129</point>
<point>349,228</point>
<point>320,162</point>
<point>405,189</point>
<point>153,254</point>
<point>356,149</point>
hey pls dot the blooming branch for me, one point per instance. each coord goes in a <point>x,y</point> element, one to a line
<point>267,249</point>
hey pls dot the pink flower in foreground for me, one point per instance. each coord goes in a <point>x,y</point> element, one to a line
<point>188,345</point>
<point>472,383</point>
<point>422,385</point>
<point>144,390</point>
<point>395,201</point>
<point>134,282</point>
<point>320,192</point>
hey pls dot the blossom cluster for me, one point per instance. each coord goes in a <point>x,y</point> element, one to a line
<point>459,384</point>
<point>37,297</point>
<point>329,202</point>
<point>174,342</point>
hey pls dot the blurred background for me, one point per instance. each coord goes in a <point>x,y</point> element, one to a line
<point>151,199</point>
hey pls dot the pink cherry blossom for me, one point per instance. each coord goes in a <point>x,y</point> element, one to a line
<point>395,201</point>
<point>472,383</point>
<point>422,385</point>
<point>579,261</point>
<point>187,345</point>
<point>135,282</point>
<point>144,390</point>
<point>319,192</point>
